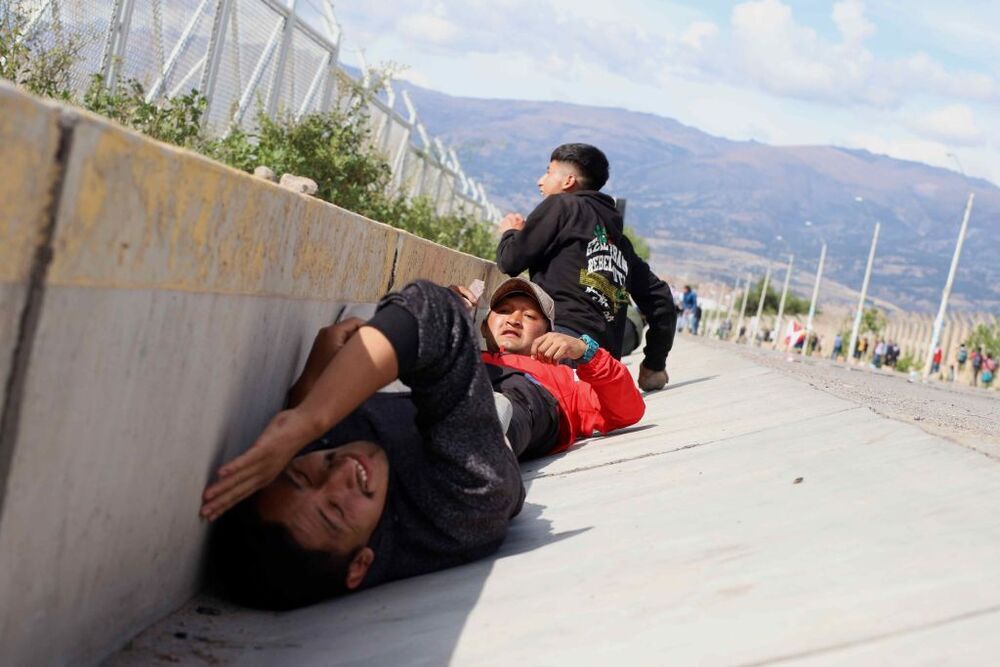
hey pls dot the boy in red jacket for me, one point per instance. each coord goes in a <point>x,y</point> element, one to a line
<point>553,407</point>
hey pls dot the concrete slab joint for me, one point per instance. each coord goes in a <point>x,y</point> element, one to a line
<point>32,306</point>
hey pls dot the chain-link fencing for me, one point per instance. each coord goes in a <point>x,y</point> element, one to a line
<point>279,56</point>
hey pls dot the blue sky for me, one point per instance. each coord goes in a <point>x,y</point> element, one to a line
<point>914,80</point>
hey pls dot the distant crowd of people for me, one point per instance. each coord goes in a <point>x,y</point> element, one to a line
<point>977,364</point>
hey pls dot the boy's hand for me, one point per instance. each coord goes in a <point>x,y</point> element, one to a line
<point>652,380</point>
<point>287,433</point>
<point>511,221</point>
<point>469,298</point>
<point>553,347</point>
<point>341,332</point>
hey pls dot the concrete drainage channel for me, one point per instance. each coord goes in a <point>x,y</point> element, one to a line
<point>154,306</point>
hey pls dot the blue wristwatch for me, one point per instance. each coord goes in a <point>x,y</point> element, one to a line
<point>592,348</point>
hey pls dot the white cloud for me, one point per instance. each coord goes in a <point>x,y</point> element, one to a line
<point>953,124</point>
<point>769,49</point>
<point>920,71</point>
<point>430,27</point>
<point>793,80</point>
<point>849,16</point>
<point>699,32</point>
<point>779,54</point>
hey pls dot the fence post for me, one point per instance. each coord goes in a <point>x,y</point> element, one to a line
<point>210,73</point>
<point>114,45</point>
<point>279,66</point>
<point>175,53</point>
<point>258,72</point>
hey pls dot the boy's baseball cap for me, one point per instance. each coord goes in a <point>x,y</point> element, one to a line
<point>527,288</point>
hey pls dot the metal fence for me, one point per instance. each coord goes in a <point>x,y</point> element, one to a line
<point>282,56</point>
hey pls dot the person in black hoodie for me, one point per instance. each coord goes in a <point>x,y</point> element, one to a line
<point>574,246</point>
<point>347,488</point>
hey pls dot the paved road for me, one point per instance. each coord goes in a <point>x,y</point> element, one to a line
<point>753,518</point>
<point>956,411</point>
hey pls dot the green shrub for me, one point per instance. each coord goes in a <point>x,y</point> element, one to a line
<point>639,243</point>
<point>872,321</point>
<point>793,304</point>
<point>40,68</point>
<point>907,362</point>
<point>987,337</point>
<point>176,120</point>
<point>332,148</point>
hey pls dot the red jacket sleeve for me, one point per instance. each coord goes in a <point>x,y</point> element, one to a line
<point>608,388</point>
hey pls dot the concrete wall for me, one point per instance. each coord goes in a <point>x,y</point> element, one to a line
<point>179,303</point>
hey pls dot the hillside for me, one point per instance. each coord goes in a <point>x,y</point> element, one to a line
<point>685,185</point>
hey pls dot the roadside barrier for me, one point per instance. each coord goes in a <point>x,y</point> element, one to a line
<point>154,308</point>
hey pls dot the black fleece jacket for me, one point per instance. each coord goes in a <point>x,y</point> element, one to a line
<point>574,246</point>
<point>454,483</point>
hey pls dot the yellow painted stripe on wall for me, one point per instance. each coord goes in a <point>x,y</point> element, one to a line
<point>29,138</point>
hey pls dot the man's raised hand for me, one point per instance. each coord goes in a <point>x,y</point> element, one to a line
<point>469,299</point>
<point>287,433</point>
<point>341,332</point>
<point>511,221</point>
<point>553,347</point>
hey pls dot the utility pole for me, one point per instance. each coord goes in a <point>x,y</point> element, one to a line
<point>864,294</point>
<point>732,303</point>
<point>815,295</point>
<point>743,308</point>
<point>760,305</point>
<point>939,320</point>
<point>781,304</point>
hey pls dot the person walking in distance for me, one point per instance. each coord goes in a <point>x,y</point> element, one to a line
<point>976,361</point>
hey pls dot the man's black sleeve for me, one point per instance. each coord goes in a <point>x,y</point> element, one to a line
<point>519,250</point>
<point>656,303</point>
<point>438,350</point>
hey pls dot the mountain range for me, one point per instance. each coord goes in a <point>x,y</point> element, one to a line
<point>712,208</point>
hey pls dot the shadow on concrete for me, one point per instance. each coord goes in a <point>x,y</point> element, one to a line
<point>417,621</point>
<point>678,385</point>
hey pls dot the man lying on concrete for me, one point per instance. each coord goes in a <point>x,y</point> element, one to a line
<point>349,489</point>
<point>573,244</point>
<point>551,407</point>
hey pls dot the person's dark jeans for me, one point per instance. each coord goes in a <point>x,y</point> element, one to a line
<point>534,426</point>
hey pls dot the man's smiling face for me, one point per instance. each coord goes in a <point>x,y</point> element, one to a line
<point>330,500</point>
<point>515,322</point>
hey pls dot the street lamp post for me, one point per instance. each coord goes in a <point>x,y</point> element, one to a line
<point>743,307</point>
<point>864,292</point>
<point>760,306</point>
<point>732,303</point>
<point>710,316</point>
<point>815,295</point>
<point>815,292</point>
<point>939,320</point>
<point>781,303</point>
